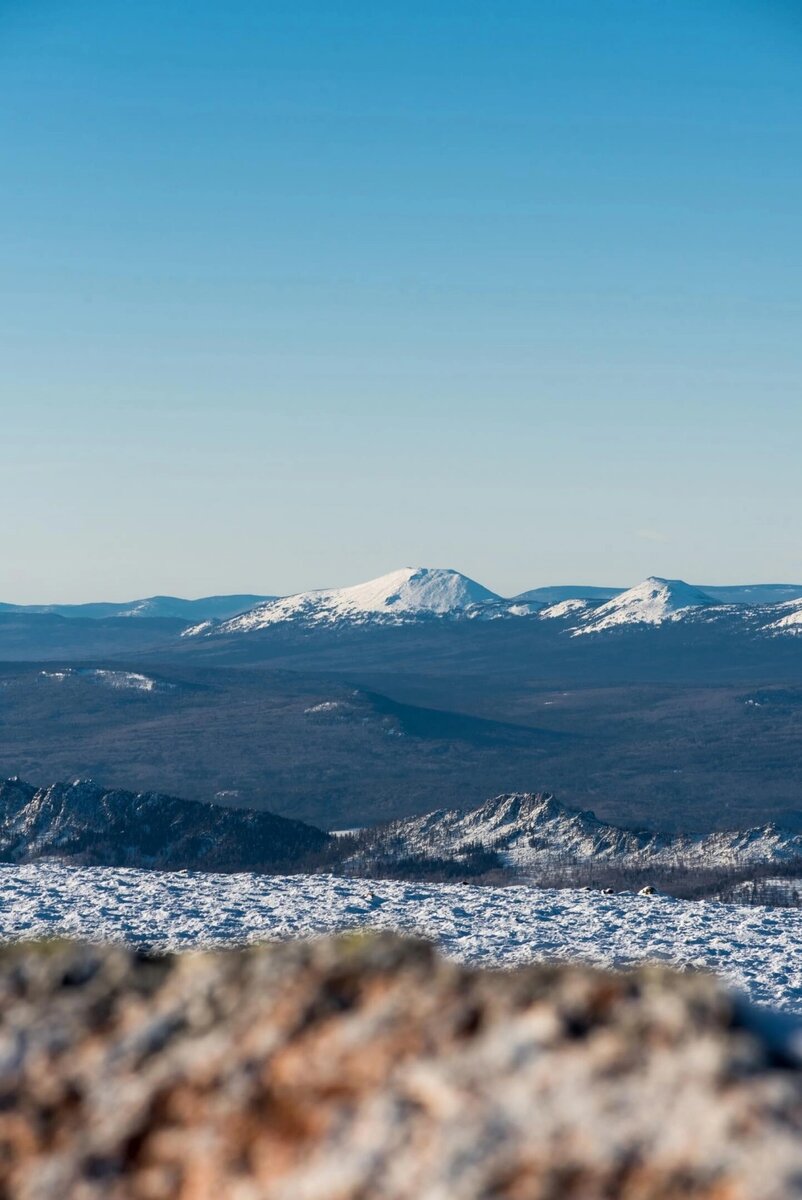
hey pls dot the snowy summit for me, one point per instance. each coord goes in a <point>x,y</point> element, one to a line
<point>410,593</point>
<point>649,603</point>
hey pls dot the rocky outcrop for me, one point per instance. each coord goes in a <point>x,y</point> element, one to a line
<point>530,830</point>
<point>90,825</point>
<point>370,1068</point>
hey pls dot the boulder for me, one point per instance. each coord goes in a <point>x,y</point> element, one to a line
<point>371,1067</point>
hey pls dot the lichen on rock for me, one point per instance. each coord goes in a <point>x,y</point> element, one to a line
<point>370,1068</point>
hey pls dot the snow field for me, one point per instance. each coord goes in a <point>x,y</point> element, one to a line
<point>758,950</point>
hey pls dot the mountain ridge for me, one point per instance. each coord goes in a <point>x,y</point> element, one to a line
<point>531,830</point>
<point>402,595</point>
<point>87,824</point>
<point>410,595</point>
<point>148,607</point>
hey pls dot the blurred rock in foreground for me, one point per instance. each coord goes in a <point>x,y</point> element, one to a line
<point>371,1069</point>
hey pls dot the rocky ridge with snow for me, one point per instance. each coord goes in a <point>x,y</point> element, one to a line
<point>85,823</point>
<point>533,830</point>
<point>82,822</point>
<point>566,608</point>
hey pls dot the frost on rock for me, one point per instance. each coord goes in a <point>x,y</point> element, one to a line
<point>355,1068</point>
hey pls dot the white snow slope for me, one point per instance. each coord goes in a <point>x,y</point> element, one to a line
<point>649,603</point>
<point>565,608</point>
<point>756,949</point>
<point>407,594</point>
<point>789,617</point>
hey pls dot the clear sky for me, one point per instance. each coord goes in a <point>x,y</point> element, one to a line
<point>295,293</point>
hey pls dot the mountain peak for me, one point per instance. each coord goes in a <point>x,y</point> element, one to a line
<point>405,594</point>
<point>651,602</point>
<point>418,589</point>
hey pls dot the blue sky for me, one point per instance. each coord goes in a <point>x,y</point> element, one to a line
<point>295,293</point>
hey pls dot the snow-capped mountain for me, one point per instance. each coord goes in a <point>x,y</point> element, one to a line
<point>657,602</point>
<point>532,830</point>
<point>414,594</point>
<point>418,593</point>
<point>649,603</point>
<point>751,594</point>
<point>409,594</point>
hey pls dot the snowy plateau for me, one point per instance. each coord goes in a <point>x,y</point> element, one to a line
<point>755,949</point>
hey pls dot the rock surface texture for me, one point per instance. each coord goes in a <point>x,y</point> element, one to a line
<point>371,1069</point>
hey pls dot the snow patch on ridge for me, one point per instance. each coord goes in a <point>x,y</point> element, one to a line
<point>120,680</point>
<point>566,608</point>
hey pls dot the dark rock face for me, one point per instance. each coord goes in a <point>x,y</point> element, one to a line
<point>86,824</point>
<point>371,1068</point>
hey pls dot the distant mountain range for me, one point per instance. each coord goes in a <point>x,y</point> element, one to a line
<point>87,824</point>
<point>420,593</point>
<point>412,595</point>
<point>207,607</point>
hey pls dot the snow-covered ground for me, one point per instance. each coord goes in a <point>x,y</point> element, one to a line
<point>756,949</point>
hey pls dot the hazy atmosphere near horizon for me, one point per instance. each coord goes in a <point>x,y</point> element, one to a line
<point>292,294</point>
